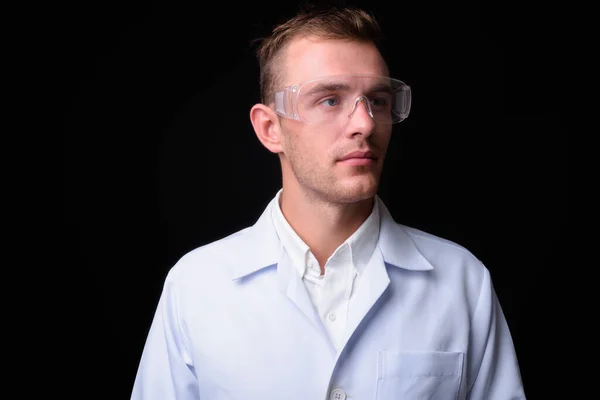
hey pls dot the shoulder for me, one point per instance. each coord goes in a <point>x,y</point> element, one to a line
<point>450,260</point>
<point>418,249</point>
<point>432,243</point>
<point>211,260</point>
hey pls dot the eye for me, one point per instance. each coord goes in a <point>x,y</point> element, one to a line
<point>330,102</point>
<point>379,102</point>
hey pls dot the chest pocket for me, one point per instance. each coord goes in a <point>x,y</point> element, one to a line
<point>419,375</point>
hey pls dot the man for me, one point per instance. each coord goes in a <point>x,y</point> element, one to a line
<point>326,297</point>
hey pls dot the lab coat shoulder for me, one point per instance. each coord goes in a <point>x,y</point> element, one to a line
<point>214,261</point>
<point>437,249</point>
<point>454,265</point>
<point>183,320</point>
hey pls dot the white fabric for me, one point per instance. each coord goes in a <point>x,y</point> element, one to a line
<point>333,292</point>
<point>235,322</point>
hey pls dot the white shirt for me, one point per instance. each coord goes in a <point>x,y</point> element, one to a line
<point>235,322</point>
<point>332,293</point>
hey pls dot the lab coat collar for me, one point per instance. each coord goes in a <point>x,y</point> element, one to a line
<point>397,247</point>
<point>262,247</point>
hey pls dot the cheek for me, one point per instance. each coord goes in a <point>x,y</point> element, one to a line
<point>314,146</point>
<point>383,138</point>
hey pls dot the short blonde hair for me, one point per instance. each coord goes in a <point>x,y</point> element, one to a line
<point>326,22</point>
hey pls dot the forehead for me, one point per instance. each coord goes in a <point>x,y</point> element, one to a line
<point>309,57</point>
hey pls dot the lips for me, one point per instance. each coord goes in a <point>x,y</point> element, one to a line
<point>359,155</point>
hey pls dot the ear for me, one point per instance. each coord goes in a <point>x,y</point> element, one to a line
<point>266,126</point>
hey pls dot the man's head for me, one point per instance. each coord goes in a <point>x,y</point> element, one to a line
<point>332,23</point>
<point>329,60</point>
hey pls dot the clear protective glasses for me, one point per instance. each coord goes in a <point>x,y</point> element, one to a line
<point>334,99</point>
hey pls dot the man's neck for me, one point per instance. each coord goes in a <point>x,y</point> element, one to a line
<point>323,225</point>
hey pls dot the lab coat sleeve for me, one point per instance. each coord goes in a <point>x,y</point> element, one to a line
<point>165,371</point>
<point>493,367</point>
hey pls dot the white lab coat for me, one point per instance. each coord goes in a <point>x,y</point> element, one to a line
<point>235,322</point>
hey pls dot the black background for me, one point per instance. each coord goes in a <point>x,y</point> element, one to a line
<point>160,156</point>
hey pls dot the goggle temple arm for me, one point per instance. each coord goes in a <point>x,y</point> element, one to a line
<point>403,98</point>
<point>284,102</point>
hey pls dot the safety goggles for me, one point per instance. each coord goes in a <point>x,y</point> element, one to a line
<point>334,99</point>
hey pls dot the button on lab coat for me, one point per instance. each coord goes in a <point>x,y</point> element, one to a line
<point>235,322</point>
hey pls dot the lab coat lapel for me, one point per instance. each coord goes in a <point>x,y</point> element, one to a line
<point>291,284</point>
<point>395,249</point>
<point>374,282</point>
<point>261,250</point>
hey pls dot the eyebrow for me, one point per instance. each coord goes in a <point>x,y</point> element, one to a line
<point>381,88</point>
<point>327,87</point>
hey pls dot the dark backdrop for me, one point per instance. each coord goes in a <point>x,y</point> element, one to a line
<point>160,156</point>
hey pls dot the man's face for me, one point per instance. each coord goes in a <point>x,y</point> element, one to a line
<point>312,153</point>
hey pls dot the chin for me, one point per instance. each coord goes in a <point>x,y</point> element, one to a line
<point>355,192</point>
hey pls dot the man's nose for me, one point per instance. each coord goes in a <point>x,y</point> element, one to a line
<point>361,115</point>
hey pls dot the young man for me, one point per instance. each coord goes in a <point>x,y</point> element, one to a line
<point>326,297</point>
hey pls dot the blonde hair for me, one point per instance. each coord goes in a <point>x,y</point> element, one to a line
<point>326,22</point>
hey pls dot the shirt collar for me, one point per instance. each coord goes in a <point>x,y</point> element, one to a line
<point>261,246</point>
<point>360,244</point>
